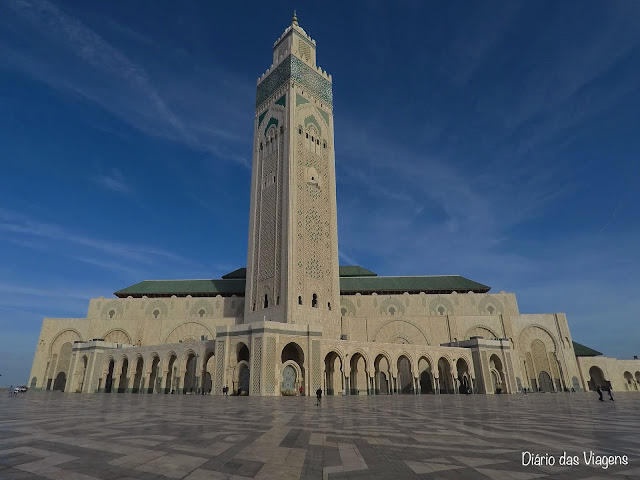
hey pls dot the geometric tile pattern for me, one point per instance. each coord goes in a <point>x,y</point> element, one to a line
<point>125,436</point>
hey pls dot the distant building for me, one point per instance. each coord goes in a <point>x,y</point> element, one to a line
<point>296,319</point>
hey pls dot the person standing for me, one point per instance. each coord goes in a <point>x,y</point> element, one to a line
<point>11,391</point>
<point>610,391</point>
<point>599,390</point>
<point>319,397</point>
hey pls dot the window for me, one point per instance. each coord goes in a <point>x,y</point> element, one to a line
<point>441,310</point>
<point>277,300</point>
<point>156,313</point>
<point>490,309</point>
<point>343,311</point>
<point>299,300</point>
<point>201,312</point>
<point>306,135</point>
<point>266,301</point>
<point>392,311</point>
<point>329,305</point>
<point>314,301</point>
<point>112,313</point>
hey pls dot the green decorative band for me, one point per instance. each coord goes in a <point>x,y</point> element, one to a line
<point>272,121</point>
<point>292,68</point>
<point>309,78</point>
<point>261,117</point>
<point>282,100</point>
<point>255,331</point>
<point>300,100</point>
<point>325,115</point>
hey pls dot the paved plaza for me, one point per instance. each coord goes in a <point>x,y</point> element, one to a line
<point>120,436</point>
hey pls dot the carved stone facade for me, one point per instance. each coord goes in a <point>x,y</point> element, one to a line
<point>289,329</point>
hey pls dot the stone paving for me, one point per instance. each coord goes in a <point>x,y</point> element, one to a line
<point>82,437</point>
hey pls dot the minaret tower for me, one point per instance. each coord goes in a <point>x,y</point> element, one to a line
<point>292,261</point>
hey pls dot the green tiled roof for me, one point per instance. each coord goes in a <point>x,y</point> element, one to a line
<point>182,288</point>
<point>355,271</point>
<point>239,273</point>
<point>430,284</point>
<point>353,279</point>
<point>584,351</point>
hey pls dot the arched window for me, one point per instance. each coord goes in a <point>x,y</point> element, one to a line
<point>314,301</point>
<point>343,311</point>
<point>299,300</point>
<point>392,311</point>
<point>277,300</point>
<point>112,313</point>
<point>329,305</point>
<point>201,312</point>
<point>266,301</point>
<point>156,313</point>
<point>299,131</point>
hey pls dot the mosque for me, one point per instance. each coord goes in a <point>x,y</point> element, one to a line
<point>294,320</point>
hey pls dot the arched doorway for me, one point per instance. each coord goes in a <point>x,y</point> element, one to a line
<point>209,365</point>
<point>60,382</point>
<point>637,377</point>
<point>497,375</point>
<point>405,376</point>
<point>122,387</point>
<point>189,383</point>
<point>382,375</point>
<point>243,378</point>
<point>108,382</point>
<point>63,366</point>
<point>426,377</point>
<point>289,379</point>
<point>597,378</point>
<point>294,377</point>
<point>628,381</point>
<point>170,375</point>
<point>154,377</point>
<point>358,379</point>
<point>445,380</point>
<point>81,371</point>
<point>138,376</point>
<point>546,385</point>
<point>463,376</point>
<point>333,373</point>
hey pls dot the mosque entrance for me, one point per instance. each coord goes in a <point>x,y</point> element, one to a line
<point>243,379</point>
<point>597,379</point>
<point>60,382</point>
<point>289,379</point>
<point>546,385</point>
<point>108,383</point>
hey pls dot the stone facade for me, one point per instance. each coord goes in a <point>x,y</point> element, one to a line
<point>292,330</point>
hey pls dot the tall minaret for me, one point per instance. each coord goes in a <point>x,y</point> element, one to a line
<point>292,262</point>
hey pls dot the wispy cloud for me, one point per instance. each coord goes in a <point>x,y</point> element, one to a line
<point>81,61</point>
<point>26,231</point>
<point>113,181</point>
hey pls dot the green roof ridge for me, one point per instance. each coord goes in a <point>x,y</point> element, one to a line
<point>584,351</point>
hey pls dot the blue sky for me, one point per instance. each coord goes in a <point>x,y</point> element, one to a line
<point>495,140</point>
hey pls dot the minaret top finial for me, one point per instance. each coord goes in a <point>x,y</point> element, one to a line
<point>294,21</point>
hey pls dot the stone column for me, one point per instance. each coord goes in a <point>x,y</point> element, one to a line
<point>163,382</point>
<point>115,384</point>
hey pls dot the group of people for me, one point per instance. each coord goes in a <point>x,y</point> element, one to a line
<point>608,390</point>
<point>13,392</point>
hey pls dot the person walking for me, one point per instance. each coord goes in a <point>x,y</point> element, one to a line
<point>11,391</point>
<point>599,390</point>
<point>610,391</point>
<point>319,397</point>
